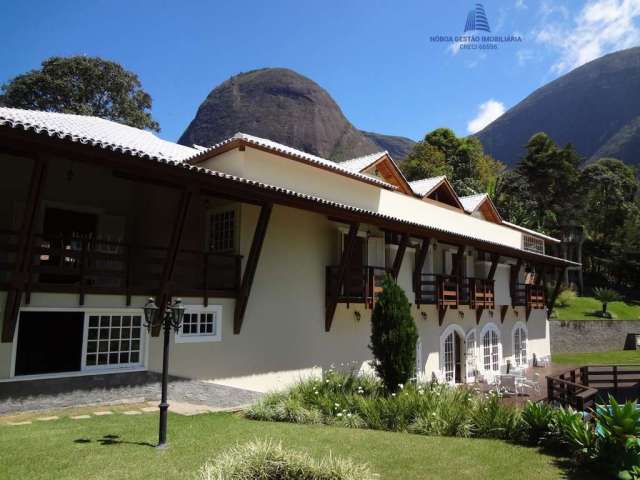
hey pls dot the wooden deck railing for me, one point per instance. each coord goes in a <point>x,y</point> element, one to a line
<point>580,387</point>
<point>530,296</point>
<point>361,284</point>
<point>85,265</point>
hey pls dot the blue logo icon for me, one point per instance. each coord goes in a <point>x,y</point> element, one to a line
<point>477,20</point>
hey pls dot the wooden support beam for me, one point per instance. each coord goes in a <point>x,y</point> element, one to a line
<point>456,267</point>
<point>166,283</point>
<point>503,312</point>
<point>23,262</point>
<point>251,266</point>
<point>345,260</point>
<point>397,261</point>
<point>479,314</point>
<point>556,291</point>
<point>495,258</point>
<point>421,256</point>
<point>442,312</point>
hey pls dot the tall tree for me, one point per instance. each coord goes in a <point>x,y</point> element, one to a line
<point>462,160</point>
<point>545,182</point>
<point>84,86</point>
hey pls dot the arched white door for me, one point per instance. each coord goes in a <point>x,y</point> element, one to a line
<point>451,355</point>
<point>520,345</point>
<point>471,364</point>
<point>491,351</point>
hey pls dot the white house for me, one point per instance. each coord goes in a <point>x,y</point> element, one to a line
<point>277,254</point>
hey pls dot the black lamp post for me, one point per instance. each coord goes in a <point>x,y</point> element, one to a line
<point>171,318</point>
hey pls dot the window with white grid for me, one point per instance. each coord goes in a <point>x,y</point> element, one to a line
<point>222,231</point>
<point>114,341</point>
<point>520,346</point>
<point>200,325</point>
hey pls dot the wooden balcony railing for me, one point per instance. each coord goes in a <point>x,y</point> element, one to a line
<point>448,291</point>
<point>481,293</point>
<point>92,265</point>
<point>530,296</point>
<point>361,284</point>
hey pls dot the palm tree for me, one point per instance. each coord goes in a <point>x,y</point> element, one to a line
<point>606,296</point>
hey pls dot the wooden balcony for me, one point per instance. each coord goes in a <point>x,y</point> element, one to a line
<point>449,291</point>
<point>361,284</point>
<point>529,296</point>
<point>481,293</point>
<point>92,265</point>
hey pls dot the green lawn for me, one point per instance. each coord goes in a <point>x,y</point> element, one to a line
<point>583,307</point>
<point>598,358</point>
<point>118,447</point>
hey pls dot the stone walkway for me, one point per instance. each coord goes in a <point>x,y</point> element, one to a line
<point>120,388</point>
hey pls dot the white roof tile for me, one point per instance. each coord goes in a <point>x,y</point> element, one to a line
<point>280,148</point>
<point>356,165</point>
<point>470,203</point>
<point>96,131</point>
<point>426,185</point>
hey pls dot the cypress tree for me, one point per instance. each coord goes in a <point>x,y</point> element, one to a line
<point>393,336</point>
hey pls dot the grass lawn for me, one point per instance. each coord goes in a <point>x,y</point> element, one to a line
<point>598,358</point>
<point>119,447</point>
<point>582,308</point>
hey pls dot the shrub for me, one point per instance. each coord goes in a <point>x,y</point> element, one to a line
<point>565,298</point>
<point>393,336</point>
<point>538,419</point>
<point>605,296</point>
<point>266,460</point>
<point>491,418</point>
<point>618,437</point>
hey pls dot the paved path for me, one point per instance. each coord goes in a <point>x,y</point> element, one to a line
<point>116,388</point>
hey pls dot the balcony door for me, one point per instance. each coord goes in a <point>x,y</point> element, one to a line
<point>355,275</point>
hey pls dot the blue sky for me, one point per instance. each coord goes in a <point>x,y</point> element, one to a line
<point>374,57</point>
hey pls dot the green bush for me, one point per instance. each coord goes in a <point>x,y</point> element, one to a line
<point>393,336</point>
<point>538,420</point>
<point>491,418</point>
<point>266,460</point>
<point>566,298</point>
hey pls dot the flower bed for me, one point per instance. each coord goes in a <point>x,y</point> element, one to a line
<point>608,440</point>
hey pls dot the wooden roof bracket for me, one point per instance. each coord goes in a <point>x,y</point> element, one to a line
<point>397,261</point>
<point>421,256</point>
<point>345,260</point>
<point>242,298</point>
<point>166,282</point>
<point>556,291</point>
<point>22,265</point>
<point>503,312</point>
<point>442,311</point>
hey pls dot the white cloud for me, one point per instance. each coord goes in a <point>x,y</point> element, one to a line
<point>521,5</point>
<point>601,27</point>
<point>487,113</point>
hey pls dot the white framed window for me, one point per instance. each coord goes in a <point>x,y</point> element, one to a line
<point>201,324</point>
<point>113,340</point>
<point>519,336</point>
<point>223,230</point>
<point>490,348</point>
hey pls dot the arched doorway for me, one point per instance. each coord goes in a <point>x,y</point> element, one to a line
<point>491,355</point>
<point>451,348</point>
<point>520,344</point>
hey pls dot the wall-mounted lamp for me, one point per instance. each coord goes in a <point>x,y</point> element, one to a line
<point>461,314</point>
<point>491,313</point>
<point>424,316</point>
<point>356,314</point>
<point>515,312</point>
